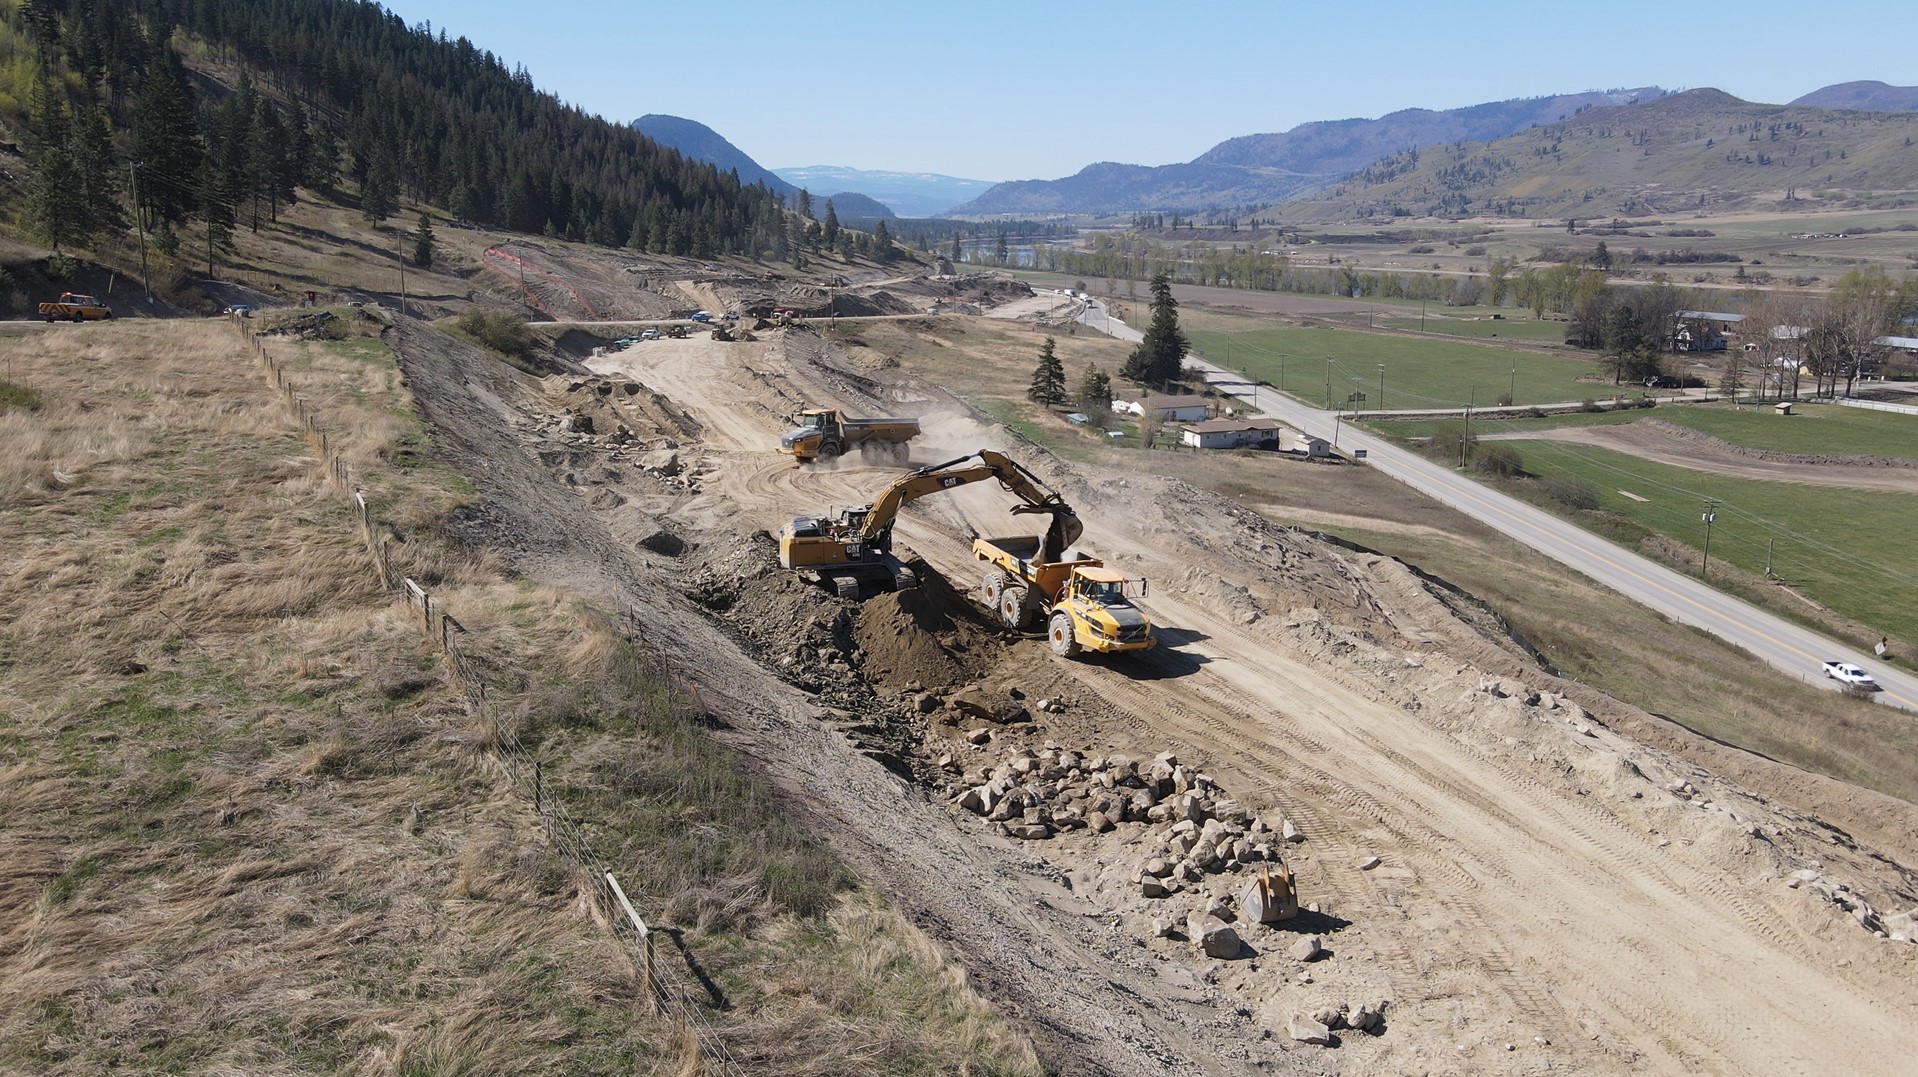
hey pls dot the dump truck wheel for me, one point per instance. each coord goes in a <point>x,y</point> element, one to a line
<point>992,588</point>
<point>1059,636</point>
<point>1012,607</point>
<point>901,453</point>
<point>830,451</point>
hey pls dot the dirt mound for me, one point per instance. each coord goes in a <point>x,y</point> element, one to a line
<point>930,634</point>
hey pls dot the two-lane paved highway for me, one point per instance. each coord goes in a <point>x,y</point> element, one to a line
<point>1797,652</point>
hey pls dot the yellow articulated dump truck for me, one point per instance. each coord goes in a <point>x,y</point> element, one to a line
<point>1081,604</point>
<point>823,434</point>
<point>75,307</point>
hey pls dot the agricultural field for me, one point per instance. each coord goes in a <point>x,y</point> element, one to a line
<point>1844,549</point>
<point>1800,493</point>
<point>1825,429</point>
<point>1420,372</point>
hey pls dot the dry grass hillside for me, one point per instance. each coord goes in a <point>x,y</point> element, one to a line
<point>251,825</point>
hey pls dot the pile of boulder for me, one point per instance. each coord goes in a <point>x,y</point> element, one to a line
<point>1036,795</point>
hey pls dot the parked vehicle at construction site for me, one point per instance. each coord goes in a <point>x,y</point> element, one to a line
<point>1083,605</point>
<point>75,307</point>
<point>823,434</point>
<point>853,553</point>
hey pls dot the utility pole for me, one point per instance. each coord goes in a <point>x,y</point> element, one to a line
<point>1328,383</point>
<point>140,222</point>
<point>1769,543</point>
<point>1511,394</point>
<point>1466,440</point>
<point>1381,403</point>
<point>1710,516</point>
<point>1421,314</point>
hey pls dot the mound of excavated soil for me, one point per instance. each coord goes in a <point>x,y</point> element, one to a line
<point>930,634</point>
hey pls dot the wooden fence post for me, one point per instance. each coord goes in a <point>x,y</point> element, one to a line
<point>645,944</point>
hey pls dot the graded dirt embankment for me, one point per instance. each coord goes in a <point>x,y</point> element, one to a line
<point>1547,892</point>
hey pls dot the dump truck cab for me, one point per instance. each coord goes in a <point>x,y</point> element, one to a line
<point>1095,613</point>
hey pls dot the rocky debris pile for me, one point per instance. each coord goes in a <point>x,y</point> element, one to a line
<point>1899,927</point>
<point>602,423</point>
<point>1035,795</point>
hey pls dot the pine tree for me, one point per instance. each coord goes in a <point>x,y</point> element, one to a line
<point>1048,378</point>
<point>99,172</point>
<point>831,225</point>
<point>1160,357</point>
<point>423,242</point>
<point>56,211</point>
<point>166,141</point>
<point>955,246</point>
<point>1095,390</point>
<point>882,249</point>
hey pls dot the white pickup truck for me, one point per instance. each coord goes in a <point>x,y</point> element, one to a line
<point>1850,676</point>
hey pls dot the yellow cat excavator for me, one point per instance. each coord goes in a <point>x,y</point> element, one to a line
<point>852,553</point>
<point>1082,604</point>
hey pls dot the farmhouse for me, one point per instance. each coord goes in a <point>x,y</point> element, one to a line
<point>1702,330</point>
<point>1171,409</point>
<point>1231,433</point>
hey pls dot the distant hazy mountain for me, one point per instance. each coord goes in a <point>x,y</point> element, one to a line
<point>698,141</point>
<point>910,194</point>
<point>1681,153</point>
<point>1269,168</point>
<point>1869,95</point>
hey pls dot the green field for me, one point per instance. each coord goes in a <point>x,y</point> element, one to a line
<point>1512,327</point>
<point>1847,549</point>
<point>1419,373</point>
<point>1825,429</point>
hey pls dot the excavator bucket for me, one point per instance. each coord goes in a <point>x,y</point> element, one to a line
<point>1270,898</point>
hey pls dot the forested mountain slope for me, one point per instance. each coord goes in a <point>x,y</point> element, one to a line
<point>343,94</point>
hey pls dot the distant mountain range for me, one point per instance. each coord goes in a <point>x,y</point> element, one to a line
<point>1258,170</point>
<point>1871,96</point>
<point>1682,153</point>
<point>702,143</point>
<point>910,194</point>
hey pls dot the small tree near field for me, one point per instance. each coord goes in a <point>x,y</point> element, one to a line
<point>1095,391</point>
<point>1048,378</point>
<point>423,242</point>
<point>1160,357</point>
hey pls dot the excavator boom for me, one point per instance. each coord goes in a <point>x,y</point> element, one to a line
<point>855,549</point>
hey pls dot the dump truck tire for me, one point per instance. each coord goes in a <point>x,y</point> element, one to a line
<point>1012,607</point>
<point>1059,636</point>
<point>993,586</point>
<point>830,451</point>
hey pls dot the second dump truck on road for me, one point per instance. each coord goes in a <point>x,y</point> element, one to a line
<point>823,434</point>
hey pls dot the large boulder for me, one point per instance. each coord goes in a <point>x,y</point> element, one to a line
<point>1214,936</point>
<point>1305,1029</point>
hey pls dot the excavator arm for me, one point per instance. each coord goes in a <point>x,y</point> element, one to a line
<point>857,546</point>
<point>1035,497</point>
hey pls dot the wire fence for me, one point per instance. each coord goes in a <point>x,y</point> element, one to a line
<point>667,991</point>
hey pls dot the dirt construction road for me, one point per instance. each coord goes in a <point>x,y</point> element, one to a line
<point>1543,883</point>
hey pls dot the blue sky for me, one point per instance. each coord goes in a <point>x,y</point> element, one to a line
<point>990,89</point>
